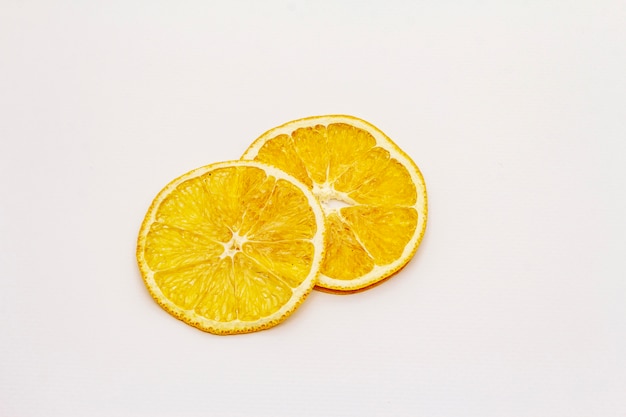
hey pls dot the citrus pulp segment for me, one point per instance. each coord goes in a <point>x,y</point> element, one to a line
<point>372,193</point>
<point>232,247</point>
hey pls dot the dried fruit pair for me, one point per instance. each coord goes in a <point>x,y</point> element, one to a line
<point>236,246</point>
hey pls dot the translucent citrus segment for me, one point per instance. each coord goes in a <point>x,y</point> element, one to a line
<point>232,247</point>
<point>375,178</point>
<point>171,247</point>
<point>348,162</point>
<point>383,231</point>
<point>233,192</point>
<point>281,153</point>
<point>346,144</point>
<point>259,292</point>
<point>286,216</point>
<point>311,146</point>
<point>289,259</point>
<point>219,302</point>
<point>185,208</point>
<point>363,168</point>
<point>185,286</point>
<point>345,256</point>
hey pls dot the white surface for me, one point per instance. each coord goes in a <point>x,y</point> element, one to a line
<point>515,111</point>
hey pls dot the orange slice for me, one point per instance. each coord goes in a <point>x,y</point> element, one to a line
<point>372,193</point>
<point>232,247</point>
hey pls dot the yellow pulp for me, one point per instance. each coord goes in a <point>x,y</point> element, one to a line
<point>231,244</point>
<point>343,166</point>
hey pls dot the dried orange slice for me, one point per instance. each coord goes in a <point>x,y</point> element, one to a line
<point>372,193</point>
<point>232,247</point>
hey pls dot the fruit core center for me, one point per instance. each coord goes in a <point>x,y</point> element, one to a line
<point>334,205</point>
<point>331,199</point>
<point>234,245</point>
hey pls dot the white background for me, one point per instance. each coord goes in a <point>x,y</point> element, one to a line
<point>515,111</point>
